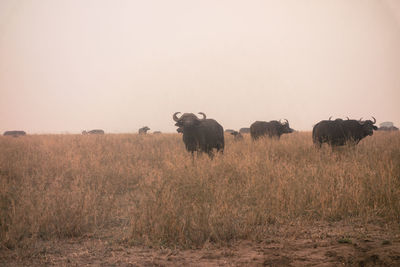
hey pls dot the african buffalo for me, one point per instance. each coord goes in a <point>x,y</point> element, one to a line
<point>143,130</point>
<point>201,135</point>
<point>270,129</point>
<point>237,136</point>
<point>339,132</point>
<point>14,133</point>
<point>95,131</point>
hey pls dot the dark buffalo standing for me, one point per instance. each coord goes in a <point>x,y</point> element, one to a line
<point>202,135</point>
<point>270,129</point>
<point>237,136</point>
<point>339,132</point>
<point>95,131</point>
<point>144,130</point>
<point>14,133</point>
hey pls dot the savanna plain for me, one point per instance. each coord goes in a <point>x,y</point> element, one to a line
<point>132,200</point>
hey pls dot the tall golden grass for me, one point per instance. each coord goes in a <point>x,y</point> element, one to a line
<point>58,186</point>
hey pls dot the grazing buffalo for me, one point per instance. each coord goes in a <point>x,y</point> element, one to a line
<point>201,135</point>
<point>95,131</point>
<point>339,132</point>
<point>244,130</point>
<point>237,136</point>
<point>270,129</point>
<point>14,133</point>
<point>144,130</point>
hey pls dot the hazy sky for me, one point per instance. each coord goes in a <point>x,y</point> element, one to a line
<point>69,65</point>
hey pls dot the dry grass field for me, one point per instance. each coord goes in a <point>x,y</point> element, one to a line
<point>121,199</point>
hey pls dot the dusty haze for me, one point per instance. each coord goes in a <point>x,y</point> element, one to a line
<point>66,66</point>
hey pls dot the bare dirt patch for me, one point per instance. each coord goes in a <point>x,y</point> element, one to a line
<point>317,244</point>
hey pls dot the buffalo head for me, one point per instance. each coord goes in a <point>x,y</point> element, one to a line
<point>285,128</point>
<point>368,126</point>
<point>187,120</point>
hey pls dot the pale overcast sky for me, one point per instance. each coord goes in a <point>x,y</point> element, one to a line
<point>69,65</point>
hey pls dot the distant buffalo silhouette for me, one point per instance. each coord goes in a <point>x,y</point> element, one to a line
<point>14,133</point>
<point>244,130</point>
<point>270,129</point>
<point>95,131</point>
<point>237,136</point>
<point>144,130</point>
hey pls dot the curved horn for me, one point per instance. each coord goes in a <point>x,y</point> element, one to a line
<point>374,120</point>
<point>330,117</point>
<point>204,115</point>
<point>360,119</point>
<point>287,122</point>
<point>347,118</point>
<point>174,117</point>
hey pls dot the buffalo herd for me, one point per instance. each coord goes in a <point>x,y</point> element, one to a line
<point>205,134</point>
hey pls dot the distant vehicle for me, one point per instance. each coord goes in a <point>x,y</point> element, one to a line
<point>14,133</point>
<point>270,129</point>
<point>339,132</point>
<point>202,135</point>
<point>387,126</point>
<point>95,131</point>
<point>144,130</point>
<point>244,130</point>
<point>237,136</point>
<point>157,132</point>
